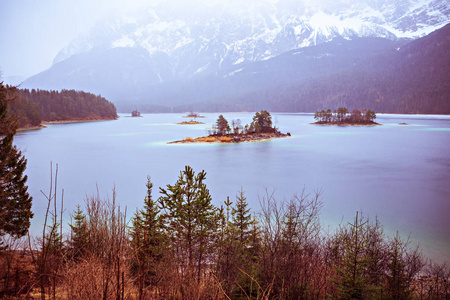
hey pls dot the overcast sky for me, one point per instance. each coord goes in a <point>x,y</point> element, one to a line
<point>33,31</point>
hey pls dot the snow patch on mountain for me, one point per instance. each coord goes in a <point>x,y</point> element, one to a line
<point>200,39</point>
<point>124,41</point>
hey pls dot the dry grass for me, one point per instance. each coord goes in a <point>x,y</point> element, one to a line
<point>225,139</point>
<point>189,139</point>
<point>206,139</point>
<point>190,123</point>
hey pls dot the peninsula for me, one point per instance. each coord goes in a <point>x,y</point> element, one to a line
<point>260,129</point>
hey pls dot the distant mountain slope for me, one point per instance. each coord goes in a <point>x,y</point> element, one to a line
<point>161,56</point>
<point>412,79</point>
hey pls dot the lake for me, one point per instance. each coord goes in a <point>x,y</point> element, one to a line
<point>401,174</point>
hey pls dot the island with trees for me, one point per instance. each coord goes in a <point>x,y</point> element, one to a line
<point>193,120</point>
<point>341,116</point>
<point>193,115</point>
<point>136,113</point>
<point>260,129</point>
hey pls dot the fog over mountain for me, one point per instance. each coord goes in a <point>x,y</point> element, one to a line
<point>146,57</point>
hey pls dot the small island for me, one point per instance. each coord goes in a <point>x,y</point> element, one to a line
<point>191,122</point>
<point>136,113</point>
<point>193,116</point>
<point>342,117</point>
<point>260,129</point>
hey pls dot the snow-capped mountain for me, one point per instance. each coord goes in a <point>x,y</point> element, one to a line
<point>178,40</point>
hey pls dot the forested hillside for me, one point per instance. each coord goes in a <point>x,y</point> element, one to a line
<point>36,106</point>
<point>385,76</point>
<point>412,79</point>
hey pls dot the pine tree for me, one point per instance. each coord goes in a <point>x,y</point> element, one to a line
<point>241,219</point>
<point>192,221</point>
<point>353,241</point>
<point>222,125</point>
<point>147,242</point>
<point>78,241</point>
<point>15,202</point>
<point>245,243</point>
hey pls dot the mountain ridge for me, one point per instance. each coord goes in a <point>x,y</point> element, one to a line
<point>149,58</point>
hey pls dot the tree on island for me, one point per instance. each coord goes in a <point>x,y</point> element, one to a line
<point>262,122</point>
<point>340,116</point>
<point>341,113</point>
<point>236,126</point>
<point>15,202</point>
<point>222,126</point>
<point>135,113</point>
<point>369,115</point>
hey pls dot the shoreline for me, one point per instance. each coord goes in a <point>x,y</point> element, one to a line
<point>44,123</point>
<point>190,123</point>
<point>31,128</point>
<point>346,124</point>
<point>232,139</point>
<point>192,116</point>
<point>75,121</point>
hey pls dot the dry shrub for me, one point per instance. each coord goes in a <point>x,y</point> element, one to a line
<point>86,280</point>
<point>189,139</point>
<point>207,139</point>
<point>102,271</point>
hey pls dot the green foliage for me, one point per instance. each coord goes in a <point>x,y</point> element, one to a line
<point>354,245</point>
<point>262,122</point>
<point>241,219</point>
<point>192,221</point>
<point>340,116</point>
<point>15,202</point>
<point>32,107</point>
<point>222,125</point>
<point>147,242</point>
<point>78,240</point>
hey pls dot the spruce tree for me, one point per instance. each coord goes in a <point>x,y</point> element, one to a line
<point>147,241</point>
<point>192,221</point>
<point>353,262</point>
<point>78,241</point>
<point>245,243</point>
<point>241,219</point>
<point>15,202</point>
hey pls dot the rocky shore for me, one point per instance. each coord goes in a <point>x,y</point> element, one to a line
<point>233,138</point>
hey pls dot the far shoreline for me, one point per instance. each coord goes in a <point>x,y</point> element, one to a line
<point>73,121</point>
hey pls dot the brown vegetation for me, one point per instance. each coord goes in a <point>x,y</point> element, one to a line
<point>260,129</point>
<point>190,123</point>
<point>232,138</point>
<point>183,247</point>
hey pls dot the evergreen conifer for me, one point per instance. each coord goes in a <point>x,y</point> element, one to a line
<point>15,202</point>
